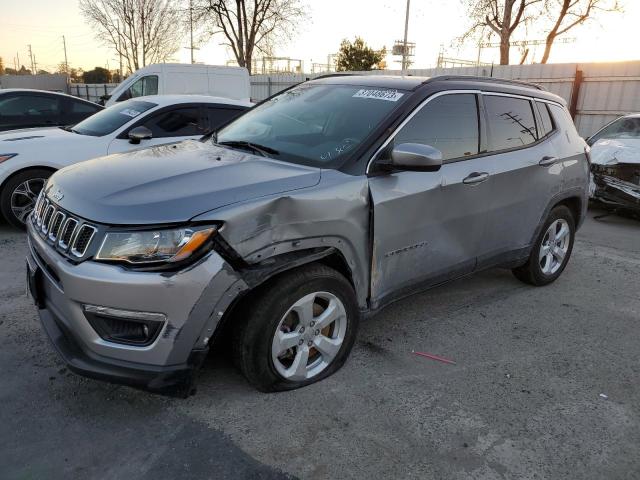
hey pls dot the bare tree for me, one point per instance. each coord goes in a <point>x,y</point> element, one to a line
<point>567,14</point>
<point>501,17</point>
<point>251,25</point>
<point>141,31</point>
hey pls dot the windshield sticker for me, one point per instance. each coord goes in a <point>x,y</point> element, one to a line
<point>389,95</point>
<point>130,112</point>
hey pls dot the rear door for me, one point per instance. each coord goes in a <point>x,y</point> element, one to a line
<point>219,115</point>
<point>173,124</point>
<point>429,226</point>
<point>524,171</point>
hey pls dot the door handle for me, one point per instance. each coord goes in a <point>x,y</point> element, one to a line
<point>547,161</point>
<point>475,178</point>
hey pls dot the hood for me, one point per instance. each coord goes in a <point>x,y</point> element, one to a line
<point>171,183</point>
<point>612,152</point>
<point>37,141</point>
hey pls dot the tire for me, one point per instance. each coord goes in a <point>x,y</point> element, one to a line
<point>21,191</point>
<point>275,308</point>
<point>543,269</point>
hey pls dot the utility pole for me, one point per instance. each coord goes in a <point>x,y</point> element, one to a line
<point>18,58</point>
<point>405,55</point>
<point>66,63</point>
<point>31,58</point>
<point>191,47</point>
<point>35,66</point>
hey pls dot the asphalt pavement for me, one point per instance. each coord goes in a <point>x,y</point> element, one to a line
<point>545,385</point>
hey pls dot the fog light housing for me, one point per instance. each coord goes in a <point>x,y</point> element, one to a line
<point>126,327</point>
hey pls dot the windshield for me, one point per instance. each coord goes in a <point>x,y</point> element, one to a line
<point>623,128</point>
<point>317,125</point>
<point>112,118</point>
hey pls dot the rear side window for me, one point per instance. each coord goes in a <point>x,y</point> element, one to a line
<point>82,107</point>
<point>546,123</point>
<point>448,123</point>
<point>220,116</point>
<point>176,123</point>
<point>511,122</point>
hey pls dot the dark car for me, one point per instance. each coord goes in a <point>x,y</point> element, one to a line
<point>25,108</point>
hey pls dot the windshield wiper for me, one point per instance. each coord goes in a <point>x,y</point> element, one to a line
<point>256,147</point>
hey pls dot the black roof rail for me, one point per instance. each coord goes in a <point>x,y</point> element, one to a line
<point>473,78</point>
<point>329,75</point>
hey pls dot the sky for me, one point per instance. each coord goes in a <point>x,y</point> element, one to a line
<point>434,24</point>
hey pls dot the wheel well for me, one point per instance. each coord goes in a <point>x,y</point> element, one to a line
<point>25,169</point>
<point>574,204</point>
<point>234,312</point>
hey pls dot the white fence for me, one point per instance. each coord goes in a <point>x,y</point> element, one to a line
<point>602,91</point>
<point>91,91</point>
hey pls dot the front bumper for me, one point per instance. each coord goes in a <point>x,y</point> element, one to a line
<point>193,300</point>
<point>612,190</point>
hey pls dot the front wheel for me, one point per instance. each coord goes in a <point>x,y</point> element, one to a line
<point>20,193</point>
<point>552,249</point>
<point>297,330</point>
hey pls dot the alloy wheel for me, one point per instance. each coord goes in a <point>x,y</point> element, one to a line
<point>24,196</point>
<point>309,336</point>
<point>554,246</point>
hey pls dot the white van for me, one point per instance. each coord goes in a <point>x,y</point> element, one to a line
<point>182,78</point>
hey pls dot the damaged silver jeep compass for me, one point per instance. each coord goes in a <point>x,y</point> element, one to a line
<point>311,211</point>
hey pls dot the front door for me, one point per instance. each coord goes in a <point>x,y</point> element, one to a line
<point>428,227</point>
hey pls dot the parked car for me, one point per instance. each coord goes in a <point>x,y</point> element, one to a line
<point>24,108</point>
<point>320,205</point>
<point>181,78</point>
<point>28,158</point>
<point>615,163</point>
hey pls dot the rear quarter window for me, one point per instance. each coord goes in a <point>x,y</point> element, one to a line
<point>511,122</point>
<point>546,122</point>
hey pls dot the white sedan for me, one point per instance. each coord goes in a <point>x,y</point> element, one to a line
<point>28,157</point>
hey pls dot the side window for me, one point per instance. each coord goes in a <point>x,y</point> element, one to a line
<point>82,107</point>
<point>144,86</point>
<point>448,123</point>
<point>31,105</point>
<point>546,126</point>
<point>176,123</point>
<point>511,122</point>
<point>220,116</point>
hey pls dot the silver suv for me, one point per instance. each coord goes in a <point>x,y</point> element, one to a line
<point>316,208</point>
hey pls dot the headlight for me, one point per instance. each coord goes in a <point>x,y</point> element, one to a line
<point>152,246</point>
<point>6,156</point>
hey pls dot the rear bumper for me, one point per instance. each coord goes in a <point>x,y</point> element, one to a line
<point>177,380</point>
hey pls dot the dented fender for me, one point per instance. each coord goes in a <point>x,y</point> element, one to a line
<point>334,214</point>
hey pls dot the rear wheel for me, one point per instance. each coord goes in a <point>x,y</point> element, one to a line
<point>19,195</point>
<point>298,329</point>
<point>551,251</point>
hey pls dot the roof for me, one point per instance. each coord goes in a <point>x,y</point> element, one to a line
<point>166,100</point>
<point>411,83</point>
<point>48,92</point>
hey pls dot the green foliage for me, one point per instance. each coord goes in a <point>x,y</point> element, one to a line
<point>97,75</point>
<point>357,56</point>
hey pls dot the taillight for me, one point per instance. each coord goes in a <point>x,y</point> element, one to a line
<point>587,153</point>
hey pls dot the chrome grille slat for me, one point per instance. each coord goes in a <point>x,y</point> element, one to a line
<point>82,240</point>
<point>70,235</point>
<point>67,233</point>
<point>56,224</point>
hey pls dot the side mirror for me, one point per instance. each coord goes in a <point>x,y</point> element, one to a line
<point>416,157</point>
<point>139,133</point>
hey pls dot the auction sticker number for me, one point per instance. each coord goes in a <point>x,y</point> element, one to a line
<point>388,95</point>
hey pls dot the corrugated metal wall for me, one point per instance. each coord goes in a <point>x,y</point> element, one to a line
<point>608,90</point>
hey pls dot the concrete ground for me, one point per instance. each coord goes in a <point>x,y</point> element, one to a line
<point>546,385</point>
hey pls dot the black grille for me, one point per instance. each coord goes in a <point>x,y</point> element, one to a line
<point>56,224</point>
<point>69,227</point>
<point>82,240</point>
